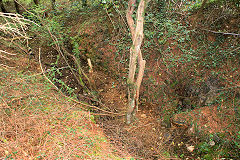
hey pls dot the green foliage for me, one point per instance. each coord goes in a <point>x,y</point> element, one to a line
<point>25,2</point>
<point>195,5</point>
<point>52,23</point>
<point>75,41</point>
<point>185,57</point>
<point>216,145</point>
<point>52,73</point>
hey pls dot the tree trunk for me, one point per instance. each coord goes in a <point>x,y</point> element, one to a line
<point>53,4</point>
<point>200,11</point>
<point>2,7</point>
<point>36,2</point>
<point>17,6</point>
<point>135,57</point>
<point>84,3</point>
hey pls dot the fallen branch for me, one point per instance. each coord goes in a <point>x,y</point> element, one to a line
<point>7,52</point>
<point>5,66</point>
<point>225,33</point>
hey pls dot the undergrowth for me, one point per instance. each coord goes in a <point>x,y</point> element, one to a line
<point>38,123</point>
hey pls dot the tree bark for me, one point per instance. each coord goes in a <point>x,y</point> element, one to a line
<point>129,14</point>
<point>53,4</point>
<point>135,57</point>
<point>2,7</point>
<point>17,6</point>
<point>36,2</point>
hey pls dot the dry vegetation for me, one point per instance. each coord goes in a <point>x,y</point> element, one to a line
<point>38,122</point>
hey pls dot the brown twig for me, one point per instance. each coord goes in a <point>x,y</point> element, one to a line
<point>225,33</point>
<point>5,66</point>
<point>40,63</point>
<point>12,54</point>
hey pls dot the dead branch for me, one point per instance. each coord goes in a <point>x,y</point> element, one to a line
<point>225,33</point>
<point>12,54</point>
<point>15,25</point>
<point>5,66</point>
<point>40,63</point>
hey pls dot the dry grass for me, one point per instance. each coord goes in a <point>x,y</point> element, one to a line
<point>38,123</point>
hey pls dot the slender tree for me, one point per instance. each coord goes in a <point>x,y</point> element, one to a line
<point>17,6</point>
<point>53,4</point>
<point>135,56</point>
<point>36,2</point>
<point>2,6</point>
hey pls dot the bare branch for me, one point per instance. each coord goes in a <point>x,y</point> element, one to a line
<point>5,66</point>
<point>225,33</point>
<point>7,52</point>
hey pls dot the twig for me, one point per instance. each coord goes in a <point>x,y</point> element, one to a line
<point>1,56</point>
<point>39,58</point>
<point>234,50</point>
<point>5,66</point>
<point>79,67</point>
<point>15,24</point>
<point>233,34</point>
<point>111,113</point>
<point>110,18</point>
<point>18,16</point>
<point>7,52</point>
<point>58,48</point>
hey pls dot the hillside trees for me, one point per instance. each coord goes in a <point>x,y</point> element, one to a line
<point>135,56</point>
